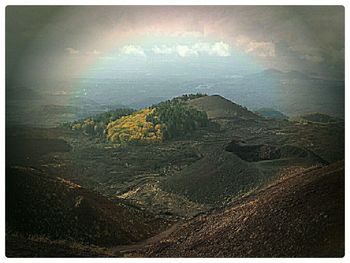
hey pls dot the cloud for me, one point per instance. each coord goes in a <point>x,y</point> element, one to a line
<point>220,49</point>
<point>133,50</point>
<point>261,49</point>
<point>185,51</point>
<point>94,52</point>
<point>162,50</point>
<point>320,27</point>
<point>258,48</point>
<point>72,51</point>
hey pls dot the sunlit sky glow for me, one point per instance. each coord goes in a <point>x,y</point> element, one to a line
<point>66,42</point>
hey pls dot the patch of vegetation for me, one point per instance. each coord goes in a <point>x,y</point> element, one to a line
<point>134,128</point>
<point>187,97</point>
<point>177,118</point>
<point>96,125</point>
<point>166,120</point>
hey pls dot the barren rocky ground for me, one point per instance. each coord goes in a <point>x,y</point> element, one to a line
<point>244,186</point>
<point>299,216</point>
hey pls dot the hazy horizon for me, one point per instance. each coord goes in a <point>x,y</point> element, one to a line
<point>290,58</point>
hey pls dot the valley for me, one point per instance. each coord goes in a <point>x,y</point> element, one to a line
<point>237,170</point>
<point>174,131</point>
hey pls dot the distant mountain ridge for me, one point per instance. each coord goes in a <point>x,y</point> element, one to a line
<point>271,113</point>
<point>317,117</point>
<point>275,73</point>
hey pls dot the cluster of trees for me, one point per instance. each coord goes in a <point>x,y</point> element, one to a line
<point>135,128</point>
<point>177,118</point>
<point>96,125</point>
<point>166,120</point>
<point>187,97</point>
<point>182,98</point>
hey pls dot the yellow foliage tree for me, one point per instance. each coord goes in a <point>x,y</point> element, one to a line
<point>133,128</point>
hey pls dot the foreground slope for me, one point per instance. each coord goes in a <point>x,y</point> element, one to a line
<point>57,209</point>
<point>300,216</point>
<point>39,246</point>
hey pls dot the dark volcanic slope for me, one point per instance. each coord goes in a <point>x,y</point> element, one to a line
<point>39,205</point>
<point>38,246</point>
<point>224,173</point>
<point>300,216</point>
<point>218,107</point>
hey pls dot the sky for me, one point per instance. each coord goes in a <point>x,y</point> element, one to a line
<point>123,41</point>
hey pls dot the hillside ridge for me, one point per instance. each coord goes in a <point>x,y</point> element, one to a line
<point>295,217</point>
<point>41,205</point>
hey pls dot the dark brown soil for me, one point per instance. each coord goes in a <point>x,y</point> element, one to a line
<point>42,205</point>
<point>19,246</point>
<point>300,216</point>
